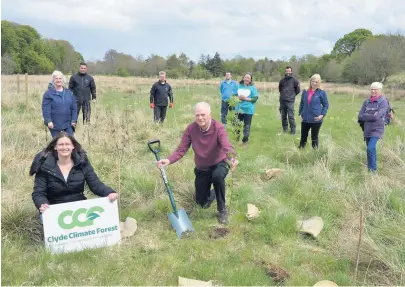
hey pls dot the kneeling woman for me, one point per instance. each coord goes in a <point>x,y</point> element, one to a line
<point>61,170</point>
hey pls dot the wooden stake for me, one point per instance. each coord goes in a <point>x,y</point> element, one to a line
<point>18,83</point>
<point>26,89</point>
<point>359,244</point>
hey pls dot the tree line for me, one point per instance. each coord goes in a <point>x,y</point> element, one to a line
<point>23,50</point>
<point>358,57</point>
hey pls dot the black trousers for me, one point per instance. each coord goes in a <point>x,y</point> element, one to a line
<point>247,122</point>
<point>204,178</point>
<point>287,111</point>
<point>314,127</point>
<point>159,113</point>
<point>86,106</point>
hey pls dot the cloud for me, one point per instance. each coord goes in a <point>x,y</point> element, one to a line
<point>85,14</point>
<point>250,28</point>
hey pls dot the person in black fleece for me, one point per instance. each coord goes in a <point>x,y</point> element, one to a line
<point>159,94</point>
<point>82,85</point>
<point>61,170</point>
<point>288,87</point>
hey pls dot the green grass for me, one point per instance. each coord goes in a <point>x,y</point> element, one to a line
<point>331,182</point>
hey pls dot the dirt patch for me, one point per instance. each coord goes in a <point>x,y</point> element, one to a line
<point>219,232</point>
<point>277,273</point>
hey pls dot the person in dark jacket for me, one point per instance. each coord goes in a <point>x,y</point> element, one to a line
<point>82,85</point>
<point>59,108</point>
<point>160,93</point>
<point>372,115</point>
<point>313,108</point>
<point>61,170</point>
<point>288,87</point>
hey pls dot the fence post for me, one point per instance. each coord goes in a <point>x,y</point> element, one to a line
<point>98,89</point>
<point>353,96</point>
<point>18,83</point>
<point>26,89</point>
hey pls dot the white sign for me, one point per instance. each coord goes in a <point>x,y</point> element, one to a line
<point>79,225</point>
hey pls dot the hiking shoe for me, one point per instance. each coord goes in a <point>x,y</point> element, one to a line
<point>223,217</point>
<point>210,199</point>
<point>244,145</point>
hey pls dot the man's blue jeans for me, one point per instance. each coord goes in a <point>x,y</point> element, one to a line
<point>372,153</point>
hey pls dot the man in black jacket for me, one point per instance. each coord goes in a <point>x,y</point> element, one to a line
<point>288,87</point>
<point>82,85</point>
<point>159,94</point>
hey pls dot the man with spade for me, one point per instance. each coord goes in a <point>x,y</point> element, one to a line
<point>214,156</point>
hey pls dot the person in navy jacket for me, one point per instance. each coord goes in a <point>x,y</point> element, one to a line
<point>59,108</point>
<point>313,108</point>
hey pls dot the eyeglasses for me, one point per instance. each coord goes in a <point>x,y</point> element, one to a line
<point>64,144</point>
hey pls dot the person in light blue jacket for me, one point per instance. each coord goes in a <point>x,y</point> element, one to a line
<point>248,95</point>
<point>313,108</point>
<point>59,108</point>
<point>228,88</point>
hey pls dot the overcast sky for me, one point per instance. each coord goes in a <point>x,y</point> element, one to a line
<point>251,28</point>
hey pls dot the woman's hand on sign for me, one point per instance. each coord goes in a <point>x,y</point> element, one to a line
<point>112,196</point>
<point>43,207</point>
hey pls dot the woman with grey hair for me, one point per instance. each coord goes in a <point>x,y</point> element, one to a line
<point>59,108</point>
<point>371,117</point>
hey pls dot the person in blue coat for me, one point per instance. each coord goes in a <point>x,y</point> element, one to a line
<point>248,96</point>
<point>228,88</point>
<point>59,108</point>
<point>313,108</point>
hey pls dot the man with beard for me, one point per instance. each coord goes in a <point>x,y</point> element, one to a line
<point>82,85</point>
<point>288,87</point>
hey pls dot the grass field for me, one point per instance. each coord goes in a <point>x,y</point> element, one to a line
<point>331,182</point>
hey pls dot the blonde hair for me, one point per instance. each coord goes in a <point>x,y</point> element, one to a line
<point>60,74</point>
<point>317,77</point>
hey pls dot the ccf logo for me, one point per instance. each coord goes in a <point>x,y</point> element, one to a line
<point>74,217</point>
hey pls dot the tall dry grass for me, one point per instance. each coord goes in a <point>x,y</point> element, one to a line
<point>137,85</point>
<point>331,182</point>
